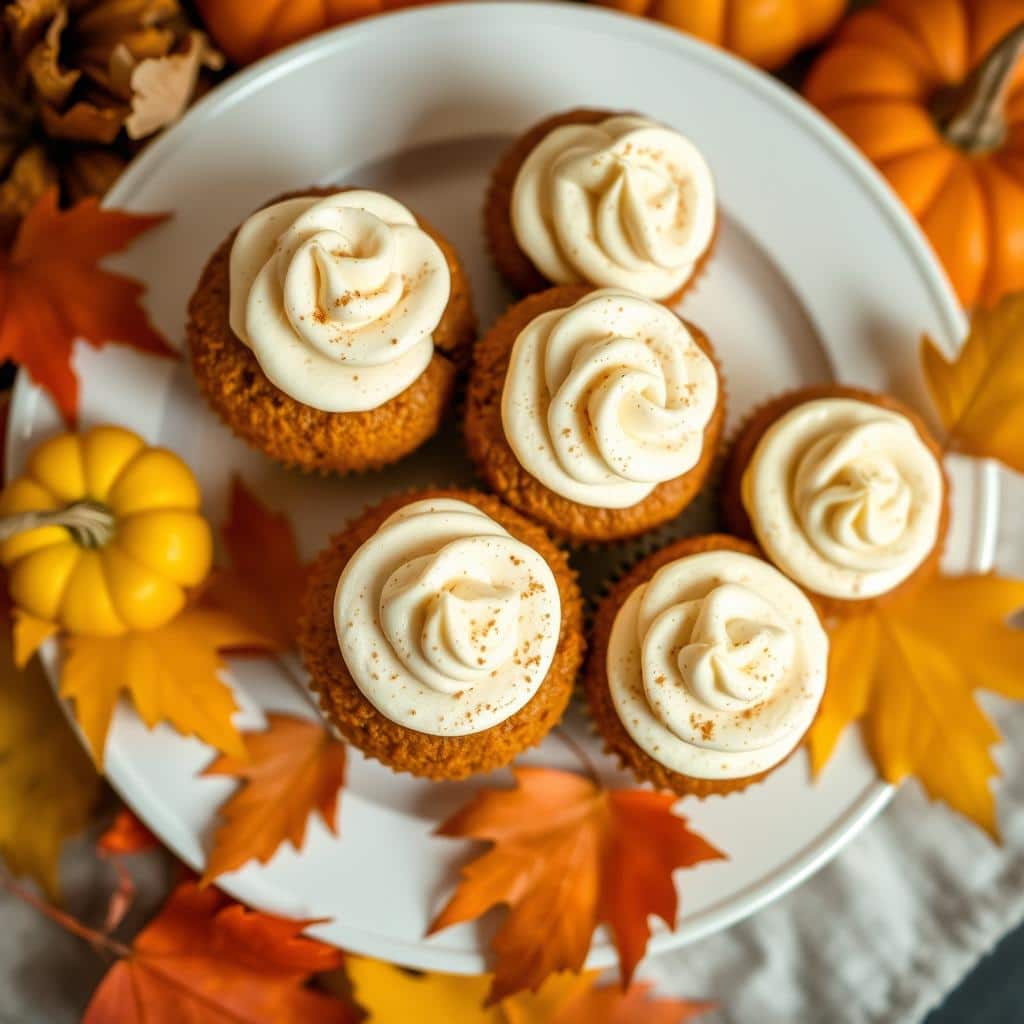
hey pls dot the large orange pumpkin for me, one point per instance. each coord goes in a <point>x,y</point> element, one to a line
<point>248,29</point>
<point>931,91</point>
<point>765,32</point>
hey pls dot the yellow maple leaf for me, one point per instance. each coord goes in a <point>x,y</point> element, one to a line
<point>388,993</point>
<point>47,785</point>
<point>909,672</point>
<point>980,394</point>
<point>170,673</point>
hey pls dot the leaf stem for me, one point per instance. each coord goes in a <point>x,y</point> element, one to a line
<point>99,942</point>
<point>579,753</point>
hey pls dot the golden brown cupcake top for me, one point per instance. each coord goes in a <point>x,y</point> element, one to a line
<point>626,203</point>
<point>447,624</point>
<point>845,497</point>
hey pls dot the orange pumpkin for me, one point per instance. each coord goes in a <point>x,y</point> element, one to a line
<point>765,32</point>
<point>248,29</point>
<point>931,91</point>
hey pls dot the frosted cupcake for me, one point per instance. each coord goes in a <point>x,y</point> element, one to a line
<point>595,412</point>
<point>442,632</point>
<point>328,329</point>
<point>707,667</point>
<point>599,198</point>
<point>843,489</point>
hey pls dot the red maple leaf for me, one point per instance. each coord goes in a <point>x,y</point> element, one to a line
<point>52,292</point>
<point>205,958</point>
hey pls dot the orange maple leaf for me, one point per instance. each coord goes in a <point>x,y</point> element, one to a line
<point>171,674</point>
<point>204,958</point>
<point>568,854</point>
<point>290,770</point>
<point>267,577</point>
<point>610,1005</point>
<point>980,393</point>
<point>52,291</point>
<point>125,835</point>
<point>908,672</point>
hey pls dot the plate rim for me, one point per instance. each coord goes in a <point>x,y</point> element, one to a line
<point>26,395</point>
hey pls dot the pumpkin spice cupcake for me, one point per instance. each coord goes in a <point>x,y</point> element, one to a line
<point>706,668</point>
<point>607,199</point>
<point>596,413</point>
<point>844,490</point>
<point>328,329</point>
<point>442,632</point>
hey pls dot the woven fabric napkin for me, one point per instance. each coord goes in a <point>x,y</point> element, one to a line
<point>889,927</point>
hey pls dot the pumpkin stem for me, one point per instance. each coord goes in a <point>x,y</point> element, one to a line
<point>90,524</point>
<point>970,115</point>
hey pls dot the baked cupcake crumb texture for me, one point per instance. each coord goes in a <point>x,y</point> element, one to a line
<point>373,416</point>
<point>490,665</point>
<point>652,404</point>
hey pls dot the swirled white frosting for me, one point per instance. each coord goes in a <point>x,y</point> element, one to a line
<point>446,622</point>
<point>845,497</point>
<point>717,665</point>
<point>608,398</point>
<point>338,297</point>
<point>626,203</point>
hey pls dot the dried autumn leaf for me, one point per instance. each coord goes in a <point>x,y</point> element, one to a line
<point>980,394</point>
<point>388,993</point>
<point>125,835</point>
<point>292,769</point>
<point>163,86</point>
<point>909,673</point>
<point>53,292</point>
<point>567,855</point>
<point>206,959</point>
<point>267,577</point>
<point>47,785</point>
<point>170,673</point>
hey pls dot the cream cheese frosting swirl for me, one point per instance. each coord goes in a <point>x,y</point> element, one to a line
<point>717,665</point>
<point>626,203</point>
<point>447,624</point>
<point>338,297</point>
<point>845,497</point>
<point>608,398</point>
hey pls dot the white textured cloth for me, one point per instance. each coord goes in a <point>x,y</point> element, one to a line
<point>888,928</point>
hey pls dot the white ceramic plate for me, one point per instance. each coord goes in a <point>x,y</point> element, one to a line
<point>818,274</point>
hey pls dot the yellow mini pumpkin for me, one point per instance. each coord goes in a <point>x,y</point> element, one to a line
<point>129,573</point>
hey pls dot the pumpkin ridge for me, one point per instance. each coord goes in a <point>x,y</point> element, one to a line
<point>126,467</point>
<point>901,17</point>
<point>858,98</point>
<point>937,195</point>
<point>991,227</point>
<point>272,17</point>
